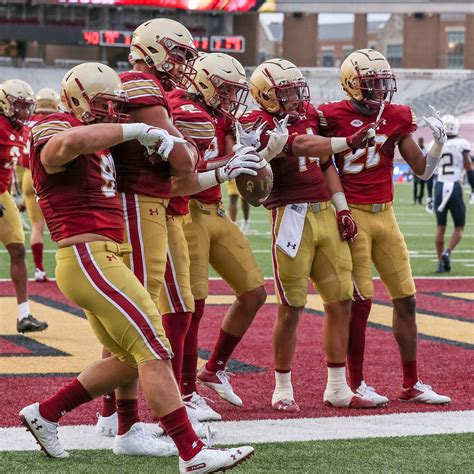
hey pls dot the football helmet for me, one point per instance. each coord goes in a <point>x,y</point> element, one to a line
<point>93,92</point>
<point>451,125</point>
<point>221,82</point>
<point>367,78</point>
<point>278,82</point>
<point>17,101</point>
<point>47,101</point>
<point>168,47</point>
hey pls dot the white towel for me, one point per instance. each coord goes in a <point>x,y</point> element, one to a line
<point>291,228</point>
<point>448,187</point>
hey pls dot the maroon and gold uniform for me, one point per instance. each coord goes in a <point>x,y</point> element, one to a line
<point>83,199</point>
<point>145,189</point>
<point>12,144</point>
<point>212,237</point>
<point>366,176</point>
<point>321,255</point>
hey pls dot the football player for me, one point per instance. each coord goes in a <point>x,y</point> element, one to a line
<point>74,177</point>
<point>234,196</point>
<point>47,102</point>
<point>305,229</point>
<point>455,159</point>
<point>366,175</point>
<point>17,104</point>
<point>162,54</point>
<point>206,114</point>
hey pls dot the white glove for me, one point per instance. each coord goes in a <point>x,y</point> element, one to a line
<point>156,140</point>
<point>436,125</point>
<point>245,161</point>
<point>278,139</point>
<point>250,138</point>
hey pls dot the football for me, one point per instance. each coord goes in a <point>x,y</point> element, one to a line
<point>255,189</point>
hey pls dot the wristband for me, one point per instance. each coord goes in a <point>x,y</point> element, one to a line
<point>208,179</point>
<point>431,164</point>
<point>131,131</point>
<point>339,201</point>
<point>339,144</point>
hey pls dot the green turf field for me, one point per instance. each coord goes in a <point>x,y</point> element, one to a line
<point>417,226</point>
<point>434,454</point>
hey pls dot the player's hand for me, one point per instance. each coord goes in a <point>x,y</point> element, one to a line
<point>2,209</point>
<point>347,225</point>
<point>278,138</point>
<point>436,125</point>
<point>245,161</point>
<point>251,137</point>
<point>157,141</point>
<point>364,137</point>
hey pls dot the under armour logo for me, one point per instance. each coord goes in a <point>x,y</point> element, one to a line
<point>169,218</point>
<point>195,443</point>
<point>111,257</point>
<point>220,362</point>
<point>153,211</point>
<point>250,186</point>
<point>293,246</point>
<point>234,457</point>
<point>35,422</point>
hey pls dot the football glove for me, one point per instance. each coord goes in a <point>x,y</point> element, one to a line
<point>347,225</point>
<point>436,125</point>
<point>277,141</point>
<point>245,161</point>
<point>364,137</point>
<point>251,137</point>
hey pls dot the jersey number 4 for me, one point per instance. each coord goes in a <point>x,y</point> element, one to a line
<point>107,171</point>
<point>364,158</point>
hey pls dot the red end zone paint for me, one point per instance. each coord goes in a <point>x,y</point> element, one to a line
<point>444,366</point>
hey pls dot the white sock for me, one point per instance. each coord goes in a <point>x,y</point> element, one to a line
<point>337,389</point>
<point>283,388</point>
<point>23,310</point>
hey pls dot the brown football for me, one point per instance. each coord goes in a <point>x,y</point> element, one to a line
<point>255,189</point>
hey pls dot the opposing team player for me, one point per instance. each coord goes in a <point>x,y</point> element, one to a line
<point>205,114</point>
<point>47,102</point>
<point>73,174</point>
<point>17,104</point>
<point>366,176</point>
<point>455,159</point>
<point>305,241</point>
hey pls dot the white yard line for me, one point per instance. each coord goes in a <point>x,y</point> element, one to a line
<point>277,431</point>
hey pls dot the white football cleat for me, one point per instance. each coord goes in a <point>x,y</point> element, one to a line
<point>107,425</point>
<point>198,406</point>
<point>45,432</point>
<point>214,460</point>
<point>368,393</point>
<point>422,393</point>
<point>137,441</point>
<point>40,276</point>
<point>244,226</point>
<point>203,430</point>
<point>219,382</point>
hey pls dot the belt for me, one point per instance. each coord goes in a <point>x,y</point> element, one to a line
<point>372,207</point>
<point>208,209</point>
<point>318,206</point>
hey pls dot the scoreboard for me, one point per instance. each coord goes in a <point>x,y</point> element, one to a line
<point>117,38</point>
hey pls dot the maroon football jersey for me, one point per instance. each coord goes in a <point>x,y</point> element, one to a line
<point>25,156</point>
<point>12,144</point>
<point>135,173</point>
<point>82,198</point>
<point>366,174</point>
<point>295,178</point>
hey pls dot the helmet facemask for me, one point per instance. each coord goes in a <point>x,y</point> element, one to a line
<point>376,88</point>
<point>293,96</point>
<point>20,110</point>
<point>230,97</point>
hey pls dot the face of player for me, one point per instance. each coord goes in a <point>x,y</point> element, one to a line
<point>23,110</point>
<point>228,96</point>
<point>108,109</point>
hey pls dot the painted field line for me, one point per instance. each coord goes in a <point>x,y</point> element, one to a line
<point>276,431</point>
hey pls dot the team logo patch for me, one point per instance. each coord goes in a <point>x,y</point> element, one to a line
<point>357,123</point>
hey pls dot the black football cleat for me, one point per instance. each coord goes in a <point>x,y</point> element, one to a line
<point>30,324</point>
<point>446,256</point>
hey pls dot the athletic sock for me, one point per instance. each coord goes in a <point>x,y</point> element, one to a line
<point>355,351</point>
<point>176,326</point>
<point>337,391</point>
<point>179,428</point>
<point>37,251</point>
<point>23,310</point>
<point>127,412</point>
<point>190,351</point>
<point>410,373</point>
<point>65,400</point>
<point>223,349</point>
<point>108,404</point>
<point>283,387</point>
